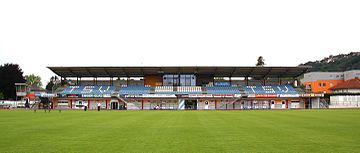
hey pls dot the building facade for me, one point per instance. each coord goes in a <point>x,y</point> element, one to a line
<point>321,82</point>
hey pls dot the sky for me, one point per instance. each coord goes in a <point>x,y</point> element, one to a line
<point>40,33</point>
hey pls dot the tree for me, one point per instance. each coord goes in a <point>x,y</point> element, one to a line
<point>2,95</point>
<point>53,81</point>
<point>33,79</point>
<point>341,62</point>
<point>260,61</point>
<point>9,75</point>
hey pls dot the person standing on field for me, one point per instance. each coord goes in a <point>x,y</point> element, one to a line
<point>99,105</point>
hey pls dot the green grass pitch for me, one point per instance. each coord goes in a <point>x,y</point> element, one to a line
<point>180,131</point>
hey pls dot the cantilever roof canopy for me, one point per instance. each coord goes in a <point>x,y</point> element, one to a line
<point>215,71</point>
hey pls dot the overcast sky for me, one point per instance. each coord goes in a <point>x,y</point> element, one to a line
<point>36,34</point>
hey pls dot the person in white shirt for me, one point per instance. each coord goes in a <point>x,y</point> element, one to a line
<point>99,105</point>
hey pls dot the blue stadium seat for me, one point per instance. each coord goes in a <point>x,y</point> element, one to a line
<point>135,90</point>
<point>95,90</point>
<point>274,89</point>
<point>223,90</point>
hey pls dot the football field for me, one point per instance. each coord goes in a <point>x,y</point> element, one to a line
<point>180,131</point>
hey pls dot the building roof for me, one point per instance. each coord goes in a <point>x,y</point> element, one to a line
<point>349,84</point>
<point>216,71</point>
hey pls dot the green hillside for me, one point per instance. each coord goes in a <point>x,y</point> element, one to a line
<point>341,62</point>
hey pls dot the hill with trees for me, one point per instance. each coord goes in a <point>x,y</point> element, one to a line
<point>338,63</point>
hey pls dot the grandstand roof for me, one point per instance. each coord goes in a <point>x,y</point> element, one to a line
<point>216,71</point>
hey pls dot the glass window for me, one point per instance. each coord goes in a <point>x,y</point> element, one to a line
<point>167,80</point>
<point>193,80</point>
<point>179,80</point>
<point>319,84</point>
<point>324,84</point>
<point>187,80</point>
<point>176,80</point>
<point>182,80</point>
<point>172,80</point>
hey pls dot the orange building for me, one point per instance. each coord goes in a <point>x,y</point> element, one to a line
<point>321,85</point>
<point>321,82</point>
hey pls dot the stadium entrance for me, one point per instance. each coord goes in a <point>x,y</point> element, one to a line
<point>191,104</point>
<point>114,105</point>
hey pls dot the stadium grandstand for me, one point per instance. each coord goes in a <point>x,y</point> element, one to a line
<point>182,87</point>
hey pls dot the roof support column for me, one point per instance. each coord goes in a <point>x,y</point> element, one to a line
<point>118,78</point>
<point>172,80</point>
<point>264,83</point>
<point>296,83</point>
<point>247,81</point>
<point>230,80</point>
<point>279,80</point>
<point>95,81</point>
<point>162,80</point>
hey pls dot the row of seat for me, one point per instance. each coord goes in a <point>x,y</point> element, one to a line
<point>89,90</point>
<point>178,90</point>
<point>279,89</point>
<point>223,90</point>
<point>164,89</point>
<point>189,89</point>
<point>135,90</point>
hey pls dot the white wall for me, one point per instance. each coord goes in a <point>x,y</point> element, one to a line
<point>345,101</point>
